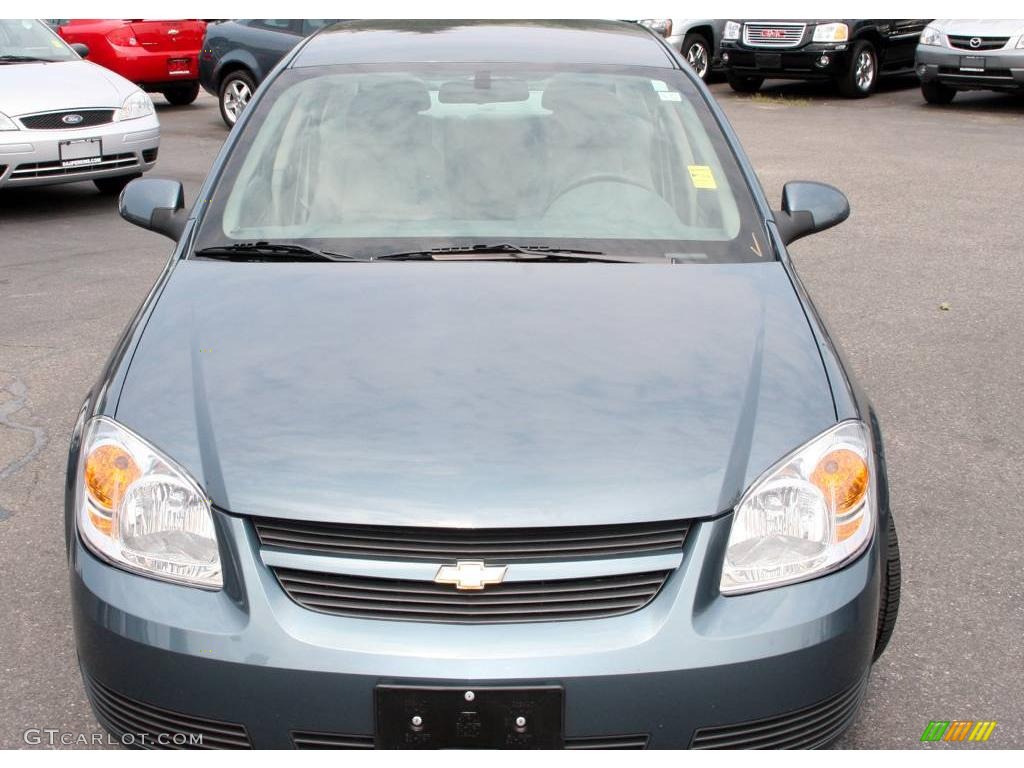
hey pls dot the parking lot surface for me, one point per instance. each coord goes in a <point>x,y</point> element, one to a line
<point>923,289</point>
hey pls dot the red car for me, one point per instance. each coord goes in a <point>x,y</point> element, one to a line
<point>159,55</point>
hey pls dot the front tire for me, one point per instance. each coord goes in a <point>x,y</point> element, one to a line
<point>889,605</point>
<point>745,84</point>
<point>112,185</point>
<point>235,92</point>
<point>862,73</point>
<point>697,53</point>
<point>182,95</point>
<point>937,93</point>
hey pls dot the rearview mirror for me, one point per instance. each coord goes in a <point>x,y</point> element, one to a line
<point>81,49</point>
<point>155,204</point>
<point>809,207</point>
<point>484,90</point>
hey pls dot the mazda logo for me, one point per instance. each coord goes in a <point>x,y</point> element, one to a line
<point>975,42</point>
<point>72,119</point>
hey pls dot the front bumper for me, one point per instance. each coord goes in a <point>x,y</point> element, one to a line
<point>815,61</point>
<point>30,158</point>
<point>1003,69</point>
<point>249,667</point>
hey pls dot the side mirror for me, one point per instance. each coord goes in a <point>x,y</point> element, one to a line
<point>809,207</point>
<point>81,49</point>
<point>155,204</point>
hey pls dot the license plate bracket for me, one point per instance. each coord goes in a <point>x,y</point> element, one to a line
<point>76,152</point>
<point>180,66</point>
<point>972,63</point>
<point>768,60</point>
<point>468,718</point>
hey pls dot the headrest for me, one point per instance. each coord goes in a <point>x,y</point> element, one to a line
<point>385,100</point>
<point>581,94</point>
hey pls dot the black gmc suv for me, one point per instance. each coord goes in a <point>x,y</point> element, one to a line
<point>851,52</point>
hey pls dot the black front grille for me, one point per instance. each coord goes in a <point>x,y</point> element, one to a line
<point>54,167</point>
<point>989,74</point>
<point>507,603</point>
<point>317,740</point>
<point>984,43</point>
<point>143,725</point>
<point>52,121</point>
<point>636,741</point>
<point>499,545</point>
<point>814,726</point>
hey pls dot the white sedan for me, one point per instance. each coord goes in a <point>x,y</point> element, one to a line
<point>63,119</point>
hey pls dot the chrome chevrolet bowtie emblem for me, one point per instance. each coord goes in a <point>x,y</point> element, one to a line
<point>470,574</point>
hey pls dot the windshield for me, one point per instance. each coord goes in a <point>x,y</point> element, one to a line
<point>31,40</point>
<point>368,162</point>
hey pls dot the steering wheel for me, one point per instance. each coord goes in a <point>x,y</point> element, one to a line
<point>597,178</point>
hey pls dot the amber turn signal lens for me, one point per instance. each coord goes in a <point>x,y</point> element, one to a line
<point>101,522</point>
<point>842,476</point>
<point>109,470</point>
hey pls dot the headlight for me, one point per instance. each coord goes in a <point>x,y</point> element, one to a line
<point>139,510</point>
<point>662,26</point>
<point>831,33</point>
<point>137,105</point>
<point>6,124</point>
<point>808,515</point>
<point>932,36</point>
<point>731,31</point>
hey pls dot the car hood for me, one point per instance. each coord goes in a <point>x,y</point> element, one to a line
<point>42,87</point>
<point>476,394</point>
<point>981,27</point>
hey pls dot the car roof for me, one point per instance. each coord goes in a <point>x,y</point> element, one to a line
<point>550,42</point>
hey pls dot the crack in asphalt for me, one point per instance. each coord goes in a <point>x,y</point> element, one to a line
<point>19,396</point>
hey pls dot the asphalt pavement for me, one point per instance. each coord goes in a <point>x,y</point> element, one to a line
<point>923,289</point>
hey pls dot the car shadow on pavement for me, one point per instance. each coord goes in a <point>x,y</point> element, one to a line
<point>982,103</point>
<point>978,102</point>
<point>828,90</point>
<point>163,106</point>
<point>40,204</point>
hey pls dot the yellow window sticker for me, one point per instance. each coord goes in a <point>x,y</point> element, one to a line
<point>702,177</point>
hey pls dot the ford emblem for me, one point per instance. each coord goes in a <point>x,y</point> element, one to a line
<point>72,119</point>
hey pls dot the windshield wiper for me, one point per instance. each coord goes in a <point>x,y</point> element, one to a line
<point>10,58</point>
<point>265,251</point>
<point>500,252</point>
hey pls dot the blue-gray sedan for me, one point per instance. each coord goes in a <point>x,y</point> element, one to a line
<point>479,405</point>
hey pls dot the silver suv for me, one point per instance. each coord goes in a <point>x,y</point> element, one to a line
<point>970,54</point>
<point>698,40</point>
